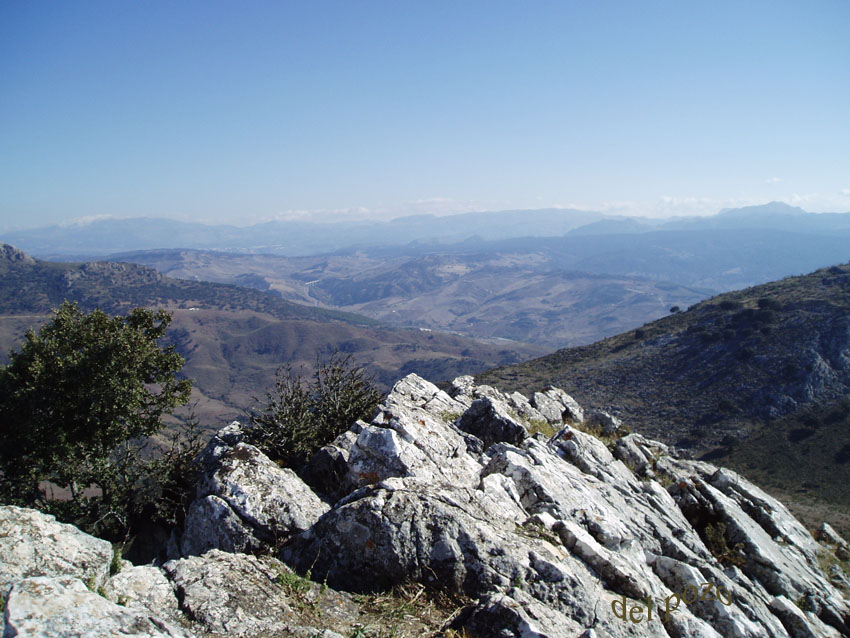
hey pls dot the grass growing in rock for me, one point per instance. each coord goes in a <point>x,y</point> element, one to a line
<point>410,610</point>
<point>610,440</point>
<point>715,540</point>
<point>540,426</point>
<point>533,529</point>
<point>450,417</point>
<point>837,557</point>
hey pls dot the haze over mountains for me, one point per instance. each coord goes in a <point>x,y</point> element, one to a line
<point>293,238</point>
<point>100,237</point>
<point>553,277</point>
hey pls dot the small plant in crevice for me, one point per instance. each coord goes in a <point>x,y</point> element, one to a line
<point>715,540</point>
<point>541,426</point>
<point>293,583</point>
<point>532,529</point>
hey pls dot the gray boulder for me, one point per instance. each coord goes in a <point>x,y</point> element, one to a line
<point>144,586</point>
<point>607,423</point>
<point>35,544</point>
<point>492,420</point>
<point>244,500</point>
<point>60,606</point>
<point>238,595</point>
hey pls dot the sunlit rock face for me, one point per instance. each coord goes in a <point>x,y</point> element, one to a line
<point>549,521</point>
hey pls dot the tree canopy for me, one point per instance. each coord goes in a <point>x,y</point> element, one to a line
<point>77,390</point>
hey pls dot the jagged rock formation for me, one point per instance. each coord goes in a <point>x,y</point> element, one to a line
<point>574,534</point>
<point>244,501</point>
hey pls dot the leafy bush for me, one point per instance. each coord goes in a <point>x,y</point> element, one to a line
<point>730,304</point>
<point>79,404</point>
<point>299,417</point>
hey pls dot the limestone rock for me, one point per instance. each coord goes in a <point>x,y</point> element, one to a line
<point>490,420</point>
<point>35,544</point>
<point>144,586</point>
<point>413,435</point>
<point>326,470</point>
<point>551,534</point>
<point>239,595</point>
<point>244,500</point>
<point>232,594</point>
<point>60,606</point>
<point>212,524</point>
<point>608,424</point>
<point>575,535</point>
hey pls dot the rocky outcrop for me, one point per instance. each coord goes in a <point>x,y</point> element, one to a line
<point>49,595</point>
<point>55,578</point>
<point>244,500</point>
<point>562,536</point>
<point>35,544</point>
<point>55,607</point>
<point>588,532</point>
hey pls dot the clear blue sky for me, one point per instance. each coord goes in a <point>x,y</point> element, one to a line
<point>243,111</point>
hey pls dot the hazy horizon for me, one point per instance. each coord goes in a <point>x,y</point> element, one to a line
<point>217,113</point>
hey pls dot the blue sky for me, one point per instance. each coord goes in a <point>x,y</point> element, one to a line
<point>248,111</point>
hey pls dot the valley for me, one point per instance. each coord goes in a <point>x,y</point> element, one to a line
<point>234,338</point>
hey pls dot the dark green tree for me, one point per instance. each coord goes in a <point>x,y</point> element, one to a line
<point>299,415</point>
<point>76,401</point>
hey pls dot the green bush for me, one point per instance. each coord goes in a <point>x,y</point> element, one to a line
<point>79,404</point>
<point>300,416</point>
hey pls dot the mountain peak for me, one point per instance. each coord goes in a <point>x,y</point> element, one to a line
<point>12,254</point>
<point>771,208</point>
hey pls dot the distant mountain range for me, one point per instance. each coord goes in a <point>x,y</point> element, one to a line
<point>295,238</point>
<point>553,277</point>
<point>105,236</point>
<point>758,379</point>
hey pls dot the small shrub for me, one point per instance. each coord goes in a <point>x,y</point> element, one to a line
<point>450,417</point>
<point>532,529</point>
<point>725,405</point>
<point>729,304</point>
<point>300,417</point>
<point>768,303</point>
<point>541,426</point>
<point>293,583</point>
<point>805,603</point>
<point>715,540</point>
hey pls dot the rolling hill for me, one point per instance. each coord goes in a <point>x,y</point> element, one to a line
<point>476,293</point>
<point>234,338</point>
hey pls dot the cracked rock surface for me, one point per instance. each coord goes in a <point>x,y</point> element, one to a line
<point>578,534</point>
